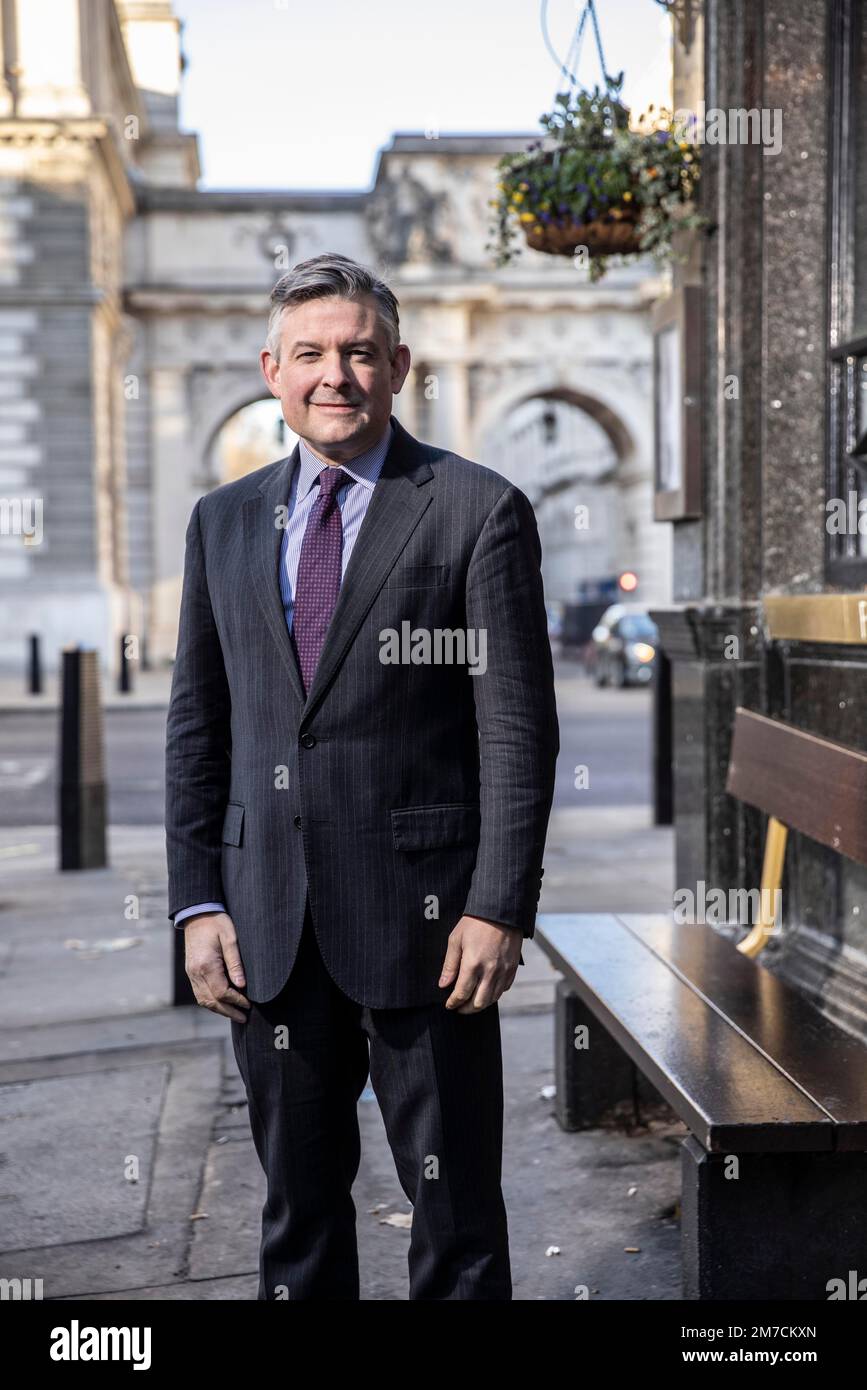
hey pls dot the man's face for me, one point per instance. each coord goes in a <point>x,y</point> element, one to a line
<point>334,379</point>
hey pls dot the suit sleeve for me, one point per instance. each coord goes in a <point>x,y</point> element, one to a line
<point>516,715</point>
<point>198,742</point>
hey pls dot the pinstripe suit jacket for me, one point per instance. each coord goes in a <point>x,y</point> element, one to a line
<point>397,796</point>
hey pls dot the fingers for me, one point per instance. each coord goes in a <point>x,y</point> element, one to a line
<point>212,958</point>
<point>478,986</point>
<point>452,962</point>
<point>213,991</point>
<point>232,958</point>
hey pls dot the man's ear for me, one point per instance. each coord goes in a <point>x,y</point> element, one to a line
<point>270,371</point>
<point>400,365</point>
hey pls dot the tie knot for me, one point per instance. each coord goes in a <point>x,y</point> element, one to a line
<point>330,480</point>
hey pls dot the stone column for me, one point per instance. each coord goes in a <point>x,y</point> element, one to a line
<point>450,410</point>
<point>174,496</point>
<point>49,59</point>
<point>7,58</point>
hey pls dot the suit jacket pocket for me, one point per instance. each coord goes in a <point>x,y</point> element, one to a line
<point>436,827</point>
<point>233,823</point>
<point>417,576</point>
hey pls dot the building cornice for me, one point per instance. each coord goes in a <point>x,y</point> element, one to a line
<point>152,198</point>
<point>82,131</point>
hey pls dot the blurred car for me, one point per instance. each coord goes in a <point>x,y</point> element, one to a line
<point>622,649</point>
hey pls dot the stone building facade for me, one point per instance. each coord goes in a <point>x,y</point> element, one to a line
<point>132,311</point>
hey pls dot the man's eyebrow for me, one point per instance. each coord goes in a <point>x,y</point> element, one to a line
<point>356,342</point>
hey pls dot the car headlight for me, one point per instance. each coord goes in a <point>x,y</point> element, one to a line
<point>643,651</point>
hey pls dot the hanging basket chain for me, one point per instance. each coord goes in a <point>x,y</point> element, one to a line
<point>570,67</point>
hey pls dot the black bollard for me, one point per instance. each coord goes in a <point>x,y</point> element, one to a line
<point>34,665</point>
<point>663,770</point>
<point>82,800</point>
<point>124,679</point>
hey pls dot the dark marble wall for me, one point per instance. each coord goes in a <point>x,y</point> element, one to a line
<point>794,261</point>
<point>764,273</point>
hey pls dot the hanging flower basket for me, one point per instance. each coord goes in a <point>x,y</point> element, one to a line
<point>602,237</point>
<point>593,182</point>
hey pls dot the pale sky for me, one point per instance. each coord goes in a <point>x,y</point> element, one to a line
<point>294,94</point>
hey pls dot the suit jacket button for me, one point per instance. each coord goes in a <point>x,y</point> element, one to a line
<point>308,741</point>
<point>297,822</point>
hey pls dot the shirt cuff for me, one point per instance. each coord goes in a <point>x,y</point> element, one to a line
<point>199,907</point>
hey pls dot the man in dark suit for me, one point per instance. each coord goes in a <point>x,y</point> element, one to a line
<point>361,745</point>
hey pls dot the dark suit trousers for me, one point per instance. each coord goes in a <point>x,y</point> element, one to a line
<point>437,1075</point>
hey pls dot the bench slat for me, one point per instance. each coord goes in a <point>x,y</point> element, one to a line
<point>732,1098</point>
<point>811,1050</point>
<point>809,783</point>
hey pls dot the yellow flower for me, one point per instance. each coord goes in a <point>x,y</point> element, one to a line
<point>627,197</point>
<point>683,144</point>
<point>526,217</point>
<point>525,186</point>
<point>517,197</point>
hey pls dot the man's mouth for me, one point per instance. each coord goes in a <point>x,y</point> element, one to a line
<point>335,405</point>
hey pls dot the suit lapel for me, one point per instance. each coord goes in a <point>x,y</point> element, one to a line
<point>395,509</point>
<point>263,536</point>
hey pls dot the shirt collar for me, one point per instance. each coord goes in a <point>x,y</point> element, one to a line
<point>364,468</point>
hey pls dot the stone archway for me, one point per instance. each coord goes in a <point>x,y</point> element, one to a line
<point>590,487</point>
<point>249,437</point>
<point>608,397</point>
<point>215,397</point>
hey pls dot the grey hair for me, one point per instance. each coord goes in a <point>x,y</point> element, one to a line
<point>325,276</point>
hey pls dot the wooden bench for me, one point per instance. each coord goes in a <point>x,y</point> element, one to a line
<point>774,1094</point>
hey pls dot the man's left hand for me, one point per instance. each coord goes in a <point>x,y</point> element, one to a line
<point>481,962</point>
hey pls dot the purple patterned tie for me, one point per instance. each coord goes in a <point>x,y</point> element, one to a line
<point>318,582</point>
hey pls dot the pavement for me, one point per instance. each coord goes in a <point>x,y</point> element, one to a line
<point>150,690</point>
<point>128,1169</point>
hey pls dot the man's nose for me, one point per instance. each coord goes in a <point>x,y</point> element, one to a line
<point>334,373</point>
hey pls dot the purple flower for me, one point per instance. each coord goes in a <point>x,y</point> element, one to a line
<point>662,136</point>
<point>582,188</point>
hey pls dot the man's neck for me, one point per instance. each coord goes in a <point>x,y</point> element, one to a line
<point>337,463</point>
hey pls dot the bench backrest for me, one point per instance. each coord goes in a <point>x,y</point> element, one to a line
<point>809,783</point>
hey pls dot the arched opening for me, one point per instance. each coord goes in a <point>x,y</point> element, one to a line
<point>248,439</point>
<point>567,459</point>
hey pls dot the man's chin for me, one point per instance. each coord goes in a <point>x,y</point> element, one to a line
<point>337,424</point>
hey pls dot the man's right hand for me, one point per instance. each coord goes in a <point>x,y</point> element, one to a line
<point>213,964</point>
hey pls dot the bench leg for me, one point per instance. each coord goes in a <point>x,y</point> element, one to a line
<point>783,1229</point>
<point>591,1079</point>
